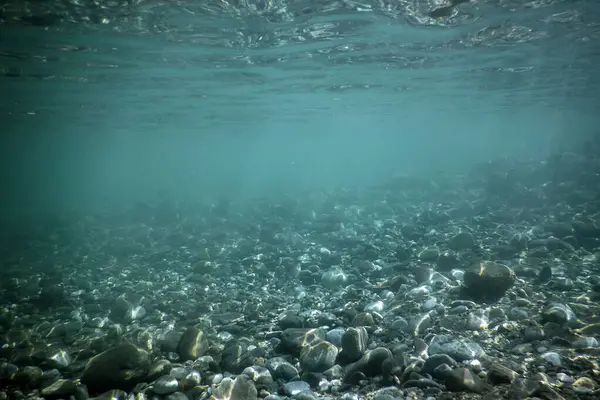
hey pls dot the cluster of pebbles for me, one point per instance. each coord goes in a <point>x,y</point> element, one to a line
<point>483,286</point>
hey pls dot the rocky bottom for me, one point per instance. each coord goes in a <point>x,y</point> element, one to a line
<point>483,286</point>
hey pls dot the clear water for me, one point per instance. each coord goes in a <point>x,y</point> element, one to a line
<point>105,102</point>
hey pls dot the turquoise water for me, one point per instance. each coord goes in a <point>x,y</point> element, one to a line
<point>107,103</point>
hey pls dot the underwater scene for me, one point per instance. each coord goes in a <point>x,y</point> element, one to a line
<point>299,199</point>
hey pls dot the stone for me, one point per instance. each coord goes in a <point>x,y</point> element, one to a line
<point>462,379</point>
<point>488,281</point>
<point>121,367</point>
<point>461,241</point>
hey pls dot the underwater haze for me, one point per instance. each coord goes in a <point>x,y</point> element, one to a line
<point>299,199</point>
<point>106,103</point>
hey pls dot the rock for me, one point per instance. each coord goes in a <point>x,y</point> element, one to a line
<point>422,274</point>
<point>120,309</point>
<point>447,261</point>
<point>461,241</point>
<point>537,386</point>
<point>363,319</point>
<point>436,360</point>
<point>169,341</point>
<point>498,374</point>
<point>293,388</point>
<point>462,379</point>
<point>518,242</point>
<point>488,281</point>
<point>522,348</point>
<point>533,333</point>
<point>193,344</point>
<point>402,254</point>
<point>560,229</point>
<point>411,232</point>
<point>546,391</point>
<point>327,319</point>
<point>441,371</point>
<point>29,376</point>
<point>398,325</point>
<point>61,388</point>
<point>589,329</point>
<point>52,294</point>
<point>191,379</point>
<point>237,356</point>
<point>290,319</point>
<point>121,367</point>
<point>558,312</point>
<point>523,388</point>
<point>318,357</point>
<point>518,314</point>
<point>281,369</point>
<point>240,388</point>
<point>335,278</point>
<point>476,321</point>
<point>336,336</point>
<point>354,343</point>
<point>294,339</point>
<point>158,369</point>
<point>165,385</point>
<point>552,358</point>
<point>176,396</point>
<point>419,324</point>
<point>429,254</point>
<point>422,383</point>
<point>429,304</point>
<point>460,349</point>
<point>55,357</point>
<point>388,393</point>
<point>545,274</point>
<point>585,343</point>
<point>554,244</point>
<point>49,376</point>
<point>115,394</point>
<point>584,386</point>
<point>586,229</point>
<point>261,377</point>
<point>503,252</point>
<point>370,364</point>
<point>335,372</point>
<point>393,365</point>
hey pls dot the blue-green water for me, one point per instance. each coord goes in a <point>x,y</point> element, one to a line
<point>106,103</point>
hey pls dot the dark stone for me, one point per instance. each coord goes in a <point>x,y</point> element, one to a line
<point>498,373</point>
<point>447,261</point>
<point>437,359</point>
<point>488,281</point>
<point>121,367</point>
<point>371,364</point>
<point>462,379</point>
